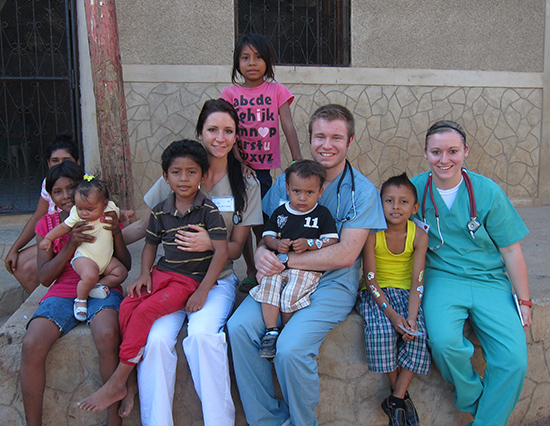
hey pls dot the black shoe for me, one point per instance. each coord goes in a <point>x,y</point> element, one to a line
<point>269,345</point>
<point>410,412</point>
<point>396,415</point>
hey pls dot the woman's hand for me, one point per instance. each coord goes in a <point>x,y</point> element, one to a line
<point>112,223</point>
<point>526,315</point>
<point>11,261</point>
<point>126,215</point>
<point>194,241</point>
<point>248,171</point>
<point>78,236</point>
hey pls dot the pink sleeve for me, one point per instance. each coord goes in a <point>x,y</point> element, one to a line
<point>284,95</point>
<point>226,95</point>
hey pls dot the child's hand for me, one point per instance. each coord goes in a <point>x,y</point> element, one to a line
<point>412,325</point>
<point>300,245</point>
<point>196,301</point>
<point>45,244</point>
<point>134,289</point>
<point>397,320</point>
<point>284,245</point>
<point>247,171</point>
<point>126,215</point>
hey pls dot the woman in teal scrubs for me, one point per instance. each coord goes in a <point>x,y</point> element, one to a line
<point>474,264</point>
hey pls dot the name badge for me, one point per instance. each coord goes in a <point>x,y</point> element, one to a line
<point>421,224</point>
<point>224,204</point>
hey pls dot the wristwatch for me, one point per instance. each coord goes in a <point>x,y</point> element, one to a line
<point>523,302</point>
<point>283,257</point>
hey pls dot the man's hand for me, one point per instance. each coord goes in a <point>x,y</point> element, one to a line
<point>266,263</point>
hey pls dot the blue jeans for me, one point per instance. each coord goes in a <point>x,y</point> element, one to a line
<point>60,310</point>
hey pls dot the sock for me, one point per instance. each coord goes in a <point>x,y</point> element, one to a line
<point>272,330</point>
<point>398,402</point>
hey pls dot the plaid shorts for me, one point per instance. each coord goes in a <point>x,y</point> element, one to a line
<point>289,290</point>
<point>386,350</point>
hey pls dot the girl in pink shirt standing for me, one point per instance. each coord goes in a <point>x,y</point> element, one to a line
<point>260,102</point>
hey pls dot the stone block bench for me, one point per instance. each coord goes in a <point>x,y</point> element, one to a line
<point>350,393</point>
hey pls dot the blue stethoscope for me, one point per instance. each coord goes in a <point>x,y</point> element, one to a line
<point>346,219</point>
<point>473,225</point>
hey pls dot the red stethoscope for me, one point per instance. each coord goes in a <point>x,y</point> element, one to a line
<point>473,225</point>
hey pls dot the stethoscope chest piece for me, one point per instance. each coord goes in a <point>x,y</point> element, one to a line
<point>237,218</point>
<point>473,225</point>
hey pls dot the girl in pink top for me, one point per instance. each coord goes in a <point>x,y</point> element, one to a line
<point>260,102</point>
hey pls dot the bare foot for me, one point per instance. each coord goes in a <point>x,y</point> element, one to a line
<point>105,396</point>
<point>127,403</point>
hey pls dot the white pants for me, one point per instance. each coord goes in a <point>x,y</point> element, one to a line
<point>206,350</point>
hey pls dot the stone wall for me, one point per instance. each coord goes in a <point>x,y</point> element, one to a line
<point>503,126</point>
<point>350,393</point>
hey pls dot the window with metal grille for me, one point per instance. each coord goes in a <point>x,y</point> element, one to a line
<point>38,93</point>
<point>303,32</point>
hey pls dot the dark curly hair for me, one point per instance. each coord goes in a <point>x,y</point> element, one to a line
<point>92,183</point>
<point>185,148</point>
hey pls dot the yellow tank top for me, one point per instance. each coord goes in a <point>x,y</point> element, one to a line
<point>395,270</point>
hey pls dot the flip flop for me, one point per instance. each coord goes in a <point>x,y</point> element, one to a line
<point>80,312</point>
<point>99,291</point>
<point>247,284</point>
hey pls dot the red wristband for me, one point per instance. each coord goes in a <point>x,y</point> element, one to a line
<point>526,302</point>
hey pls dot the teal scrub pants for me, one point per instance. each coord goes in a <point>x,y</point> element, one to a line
<point>447,303</point>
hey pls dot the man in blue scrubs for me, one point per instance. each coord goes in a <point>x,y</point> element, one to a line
<point>355,204</point>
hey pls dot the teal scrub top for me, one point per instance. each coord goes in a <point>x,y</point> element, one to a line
<point>478,259</point>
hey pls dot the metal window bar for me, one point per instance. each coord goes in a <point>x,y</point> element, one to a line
<point>303,32</point>
<point>38,93</point>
